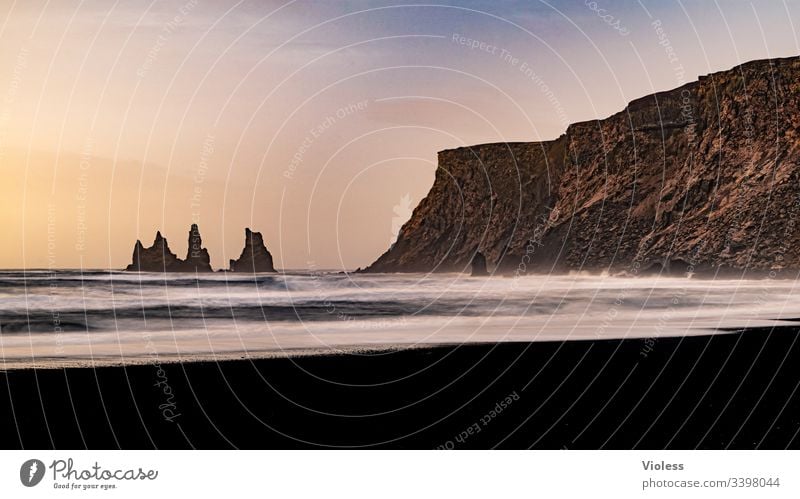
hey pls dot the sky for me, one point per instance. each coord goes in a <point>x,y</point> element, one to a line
<point>316,123</point>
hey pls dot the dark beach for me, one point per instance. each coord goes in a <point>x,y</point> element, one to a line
<point>735,390</point>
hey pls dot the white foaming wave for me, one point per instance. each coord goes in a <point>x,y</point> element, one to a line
<point>531,308</point>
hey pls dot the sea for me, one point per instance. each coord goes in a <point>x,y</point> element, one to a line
<point>70,318</point>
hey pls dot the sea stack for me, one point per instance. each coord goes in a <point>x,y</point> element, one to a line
<point>156,258</point>
<point>255,257</point>
<point>479,265</point>
<point>197,257</point>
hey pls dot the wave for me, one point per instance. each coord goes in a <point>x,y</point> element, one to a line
<point>100,301</point>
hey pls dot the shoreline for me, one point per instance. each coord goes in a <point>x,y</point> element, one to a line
<point>722,391</point>
<point>116,361</point>
<point>57,363</point>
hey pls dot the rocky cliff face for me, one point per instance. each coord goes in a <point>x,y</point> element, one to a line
<point>701,178</point>
<point>254,257</point>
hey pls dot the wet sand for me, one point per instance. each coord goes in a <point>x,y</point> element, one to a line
<point>736,390</point>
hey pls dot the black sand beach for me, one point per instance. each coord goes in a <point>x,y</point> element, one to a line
<point>736,390</point>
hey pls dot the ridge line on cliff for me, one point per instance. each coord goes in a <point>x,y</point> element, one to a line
<point>670,181</point>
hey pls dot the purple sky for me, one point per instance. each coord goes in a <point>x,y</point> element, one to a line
<point>316,123</point>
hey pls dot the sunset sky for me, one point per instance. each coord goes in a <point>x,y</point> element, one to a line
<point>316,123</point>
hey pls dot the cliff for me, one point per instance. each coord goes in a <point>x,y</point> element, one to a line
<point>701,178</point>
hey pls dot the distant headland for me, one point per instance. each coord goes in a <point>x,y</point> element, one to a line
<point>702,179</point>
<point>159,258</point>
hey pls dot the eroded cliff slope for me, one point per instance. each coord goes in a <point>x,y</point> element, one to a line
<point>704,177</point>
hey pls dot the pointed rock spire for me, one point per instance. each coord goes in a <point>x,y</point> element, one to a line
<point>156,258</point>
<point>197,257</point>
<point>255,257</point>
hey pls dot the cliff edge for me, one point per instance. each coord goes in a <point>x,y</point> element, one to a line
<point>702,178</point>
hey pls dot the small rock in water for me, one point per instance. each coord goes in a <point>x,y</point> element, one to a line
<point>479,265</point>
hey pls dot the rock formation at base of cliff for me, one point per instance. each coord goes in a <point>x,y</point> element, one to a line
<point>255,257</point>
<point>702,178</point>
<point>479,265</point>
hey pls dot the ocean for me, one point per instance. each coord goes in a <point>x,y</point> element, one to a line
<point>70,318</point>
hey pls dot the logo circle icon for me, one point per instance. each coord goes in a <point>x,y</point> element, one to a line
<point>31,472</point>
